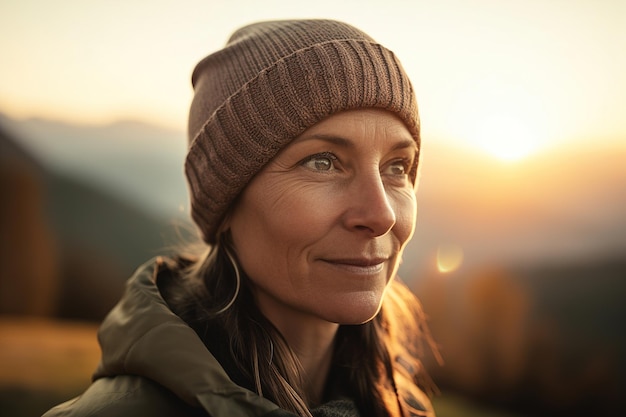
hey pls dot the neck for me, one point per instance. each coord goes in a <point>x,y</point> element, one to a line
<point>312,340</point>
<point>314,349</point>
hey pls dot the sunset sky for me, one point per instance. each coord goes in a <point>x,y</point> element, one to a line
<point>522,179</point>
<point>509,77</point>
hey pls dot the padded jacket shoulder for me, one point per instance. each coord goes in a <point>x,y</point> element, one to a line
<point>125,396</point>
<point>154,364</point>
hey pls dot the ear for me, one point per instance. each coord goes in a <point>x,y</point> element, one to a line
<point>224,226</point>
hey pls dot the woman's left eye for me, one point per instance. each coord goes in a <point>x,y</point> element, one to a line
<point>399,167</point>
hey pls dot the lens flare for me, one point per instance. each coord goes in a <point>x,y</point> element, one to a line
<point>449,258</point>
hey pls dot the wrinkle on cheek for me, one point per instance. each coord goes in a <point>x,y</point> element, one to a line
<point>278,199</point>
<point>284,208</point>
<point>294,255</point>
<point>287,195</point>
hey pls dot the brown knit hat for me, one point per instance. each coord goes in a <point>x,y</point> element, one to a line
<point>271,82</point>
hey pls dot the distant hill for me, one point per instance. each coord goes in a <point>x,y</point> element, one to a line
<point>134,161</point>
<point>104,239</point>
<point>532,318</point>
<point>542,340</point>
<point>67,243</point>
<point>562,204</point>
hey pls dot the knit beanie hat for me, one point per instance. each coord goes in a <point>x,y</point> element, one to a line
<point>271,82</point>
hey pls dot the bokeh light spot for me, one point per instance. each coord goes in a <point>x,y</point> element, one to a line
<point>449,258</point>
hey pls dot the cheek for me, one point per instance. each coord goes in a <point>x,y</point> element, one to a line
<point>299,212</point>
<point>273,224</point>
<point>260,246</point>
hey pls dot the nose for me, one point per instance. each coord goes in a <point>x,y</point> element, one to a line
<point>368,207</point>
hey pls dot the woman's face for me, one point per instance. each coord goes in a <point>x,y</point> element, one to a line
<point>321,229</point>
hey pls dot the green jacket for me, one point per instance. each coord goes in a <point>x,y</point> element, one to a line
<point>154,364</point>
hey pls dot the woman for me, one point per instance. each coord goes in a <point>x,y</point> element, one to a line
<point>302,171</point>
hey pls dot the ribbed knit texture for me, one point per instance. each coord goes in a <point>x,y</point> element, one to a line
<point>271,82</point>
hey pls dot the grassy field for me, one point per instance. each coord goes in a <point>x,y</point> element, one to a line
<point>455,406</point>
<point>43,363</point>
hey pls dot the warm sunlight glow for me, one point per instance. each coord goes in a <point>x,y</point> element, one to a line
<point>484,77</point>
<point>500,118</point>
<point>503,136</point>
<point>449,258</point>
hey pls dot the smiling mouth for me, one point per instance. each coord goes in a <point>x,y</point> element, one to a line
<point>358,266</point>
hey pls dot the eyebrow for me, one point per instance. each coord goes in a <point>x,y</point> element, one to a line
<point>347,143</point>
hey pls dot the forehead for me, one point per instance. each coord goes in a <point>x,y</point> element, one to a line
<point>352,127</point>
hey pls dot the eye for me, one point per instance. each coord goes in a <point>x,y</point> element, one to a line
<point>324,161</point>
<point>399,167</point>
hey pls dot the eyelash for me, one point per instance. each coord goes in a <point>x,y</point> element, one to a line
<point>328,155</point>
<point>405,162</point>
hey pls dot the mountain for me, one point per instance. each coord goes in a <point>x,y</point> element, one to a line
<point>68,244</point>
<point>136,162</point>
<point>562,204</point>
<point>531,320</point>
<point>102,240</point>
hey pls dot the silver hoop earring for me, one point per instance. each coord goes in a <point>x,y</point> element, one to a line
<point>237,282</point>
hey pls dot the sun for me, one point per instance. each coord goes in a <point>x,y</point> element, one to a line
<point>500,118</point>
<point>503,135</point>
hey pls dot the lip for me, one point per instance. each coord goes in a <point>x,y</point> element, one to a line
<point>360,266</point>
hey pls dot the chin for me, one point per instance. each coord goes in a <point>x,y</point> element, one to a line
<point>356,311</point>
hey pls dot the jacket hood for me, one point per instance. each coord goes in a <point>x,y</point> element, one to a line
<point>142,336</point>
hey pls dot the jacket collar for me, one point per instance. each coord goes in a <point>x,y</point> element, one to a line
<point>142,336</point>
